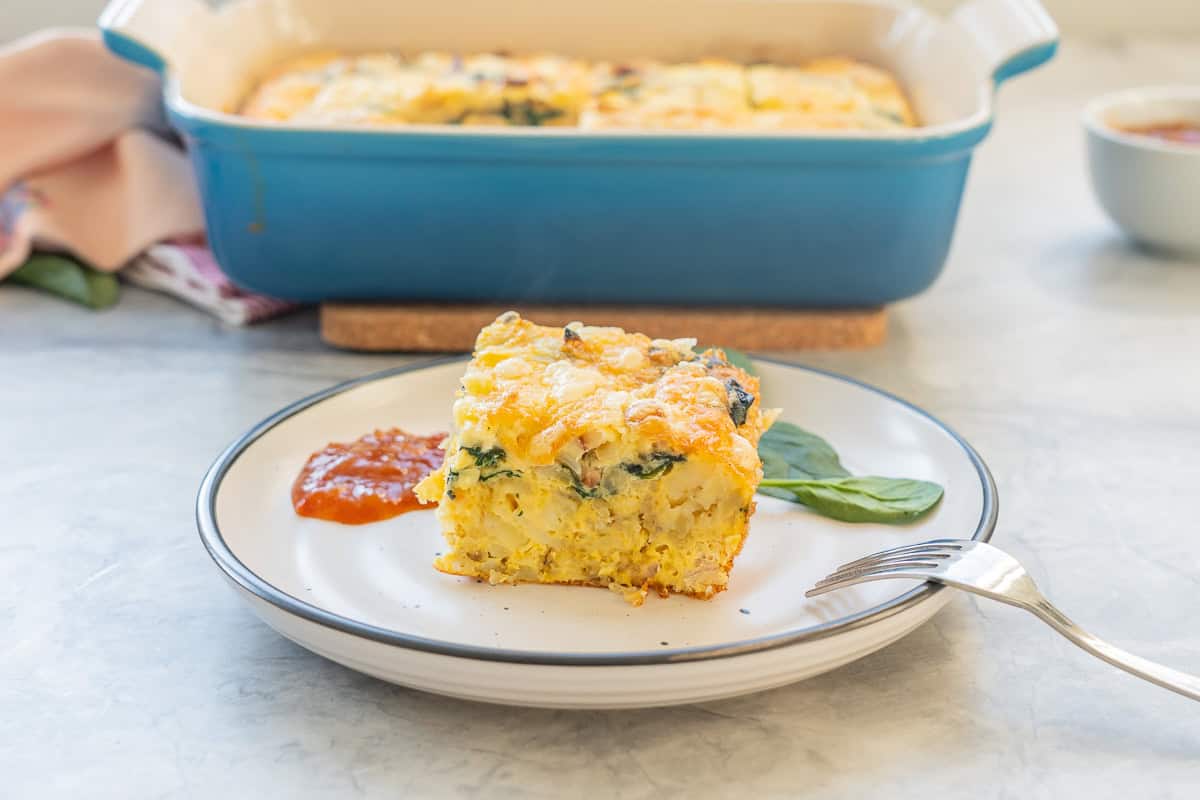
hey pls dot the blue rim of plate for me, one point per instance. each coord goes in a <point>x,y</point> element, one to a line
<point>248,580</point>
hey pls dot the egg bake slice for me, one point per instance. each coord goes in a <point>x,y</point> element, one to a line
<point>588,455</point>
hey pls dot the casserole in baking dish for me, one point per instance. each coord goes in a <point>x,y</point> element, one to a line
<point>546,214</point>
<point>391,88</point>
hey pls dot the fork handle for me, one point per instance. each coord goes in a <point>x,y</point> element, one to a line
<point>1173,679</point>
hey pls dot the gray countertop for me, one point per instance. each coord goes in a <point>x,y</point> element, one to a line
<point>1069,359</point>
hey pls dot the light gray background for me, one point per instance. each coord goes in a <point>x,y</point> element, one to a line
<point>129,670</point>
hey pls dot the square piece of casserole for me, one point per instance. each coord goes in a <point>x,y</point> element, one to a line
<point>588,455</point>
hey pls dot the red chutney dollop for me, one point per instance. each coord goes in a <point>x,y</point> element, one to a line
<point>367,480</point>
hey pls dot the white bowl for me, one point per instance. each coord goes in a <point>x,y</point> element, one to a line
<point>1150,187</point>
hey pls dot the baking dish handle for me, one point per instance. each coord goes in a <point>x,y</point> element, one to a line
<point>1013,36</point>
<point>148,32</point>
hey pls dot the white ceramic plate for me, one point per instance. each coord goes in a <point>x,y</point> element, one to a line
<point>367,597</point>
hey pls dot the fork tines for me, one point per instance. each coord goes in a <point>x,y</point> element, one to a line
<point>932,546</point>
<point>893,561</point>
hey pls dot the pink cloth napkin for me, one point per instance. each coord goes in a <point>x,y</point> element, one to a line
<point>87,166</point>
<point>81,131</point>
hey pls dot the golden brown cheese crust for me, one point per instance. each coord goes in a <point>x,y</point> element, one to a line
<point>548,89</point>
<point>588,455</point>
<point>614,383</point>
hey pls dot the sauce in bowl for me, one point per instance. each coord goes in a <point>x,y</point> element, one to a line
<point>1180,132</point>
<point>367,480</point>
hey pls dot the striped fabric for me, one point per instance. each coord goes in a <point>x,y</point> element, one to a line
<point>189,272</point>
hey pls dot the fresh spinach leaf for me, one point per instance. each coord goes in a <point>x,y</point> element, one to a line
<point>789,451</point>
<point>863,499</point>
<point>775,464</point>
<point>68,278</point>
<point>804,468</point>
<point>740,360</point>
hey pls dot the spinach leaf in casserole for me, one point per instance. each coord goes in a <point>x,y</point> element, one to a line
<point>500,473</point>
<point>577,484</point>
<point>739,401</point>
<point>529,112</point>
<point>486,458</point>
<point>655,465</point>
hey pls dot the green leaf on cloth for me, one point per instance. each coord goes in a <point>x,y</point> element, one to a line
<point>68,278</point>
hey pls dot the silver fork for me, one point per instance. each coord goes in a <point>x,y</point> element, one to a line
<point>982,569</point>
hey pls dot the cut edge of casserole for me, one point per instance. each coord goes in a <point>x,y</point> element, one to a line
<point>591,456</point>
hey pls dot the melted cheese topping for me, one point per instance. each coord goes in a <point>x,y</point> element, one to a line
<point>548,89</point>
<point>531,390</point>
<point>591,455</point>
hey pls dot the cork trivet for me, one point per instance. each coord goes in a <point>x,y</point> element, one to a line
<point>433,327</point>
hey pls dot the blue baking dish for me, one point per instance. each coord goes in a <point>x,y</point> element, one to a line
<point>443,213</point>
